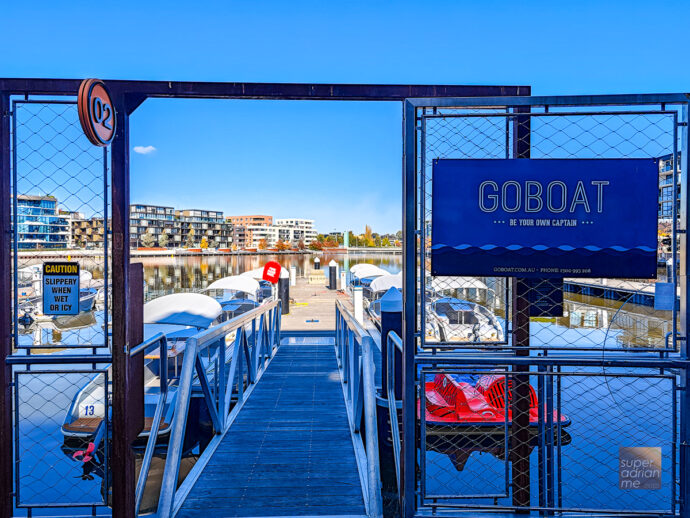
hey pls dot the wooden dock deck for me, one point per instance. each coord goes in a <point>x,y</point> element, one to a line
<point>312,307</point>
<point>290,450</point>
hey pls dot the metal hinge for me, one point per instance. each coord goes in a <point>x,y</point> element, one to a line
<point>682,124</point>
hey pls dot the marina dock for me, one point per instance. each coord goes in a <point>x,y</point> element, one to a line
<point>290,451</point>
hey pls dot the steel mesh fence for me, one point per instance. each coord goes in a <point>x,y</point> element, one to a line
<point>58,415</point>
<point>577,460</point>
<point>60,213</point>
<point>598,313</point>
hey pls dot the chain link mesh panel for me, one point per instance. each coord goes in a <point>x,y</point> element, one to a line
<point>598,313</point>
<point>60,213</point>
<point>58,414</point>
<point>610,430</point>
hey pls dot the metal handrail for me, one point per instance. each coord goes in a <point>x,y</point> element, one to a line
<point>265,338</point>
<point>354,352</point>
<point>158,414</point>
<point>393,342</point>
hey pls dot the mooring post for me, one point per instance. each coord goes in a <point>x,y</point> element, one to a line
<point>332,275</point>
<point>391,321</point>
<point>284,291</point>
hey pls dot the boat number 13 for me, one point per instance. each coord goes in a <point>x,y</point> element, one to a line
<point>88,410</point>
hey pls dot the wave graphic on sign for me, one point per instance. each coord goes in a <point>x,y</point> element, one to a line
<point>550,250</point>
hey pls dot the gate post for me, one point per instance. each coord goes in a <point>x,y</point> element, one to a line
<point>684,282</point>
<point>122,460</point>
<point>408,457</point>
<point>5,316</point>
<point>519,440</point>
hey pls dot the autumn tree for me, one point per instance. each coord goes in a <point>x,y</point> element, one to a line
<point>189,243</point>
<point>204,243</point>
<point>163,240</point>
<point>386,242</point>
<point>147,239</point>
<point>368,237</point>
<point>315,245</point>
<point>282,245</point>
<point>300,245</point>
<point>263,245</point>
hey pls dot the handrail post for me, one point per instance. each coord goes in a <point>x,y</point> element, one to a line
<point>371,434</point>
<point>172,463</point>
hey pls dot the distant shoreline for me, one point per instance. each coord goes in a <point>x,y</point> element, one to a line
<point>78,253</point>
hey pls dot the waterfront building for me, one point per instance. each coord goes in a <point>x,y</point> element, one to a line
<point>250,220</point>
<point>667,191</point>
<point>86,232</point>
<point>40,225</point>
<point>209,224</point>
<point>256,233</point>
<point>154,220</point>
<point>239,236</point>
<point>295,230</point>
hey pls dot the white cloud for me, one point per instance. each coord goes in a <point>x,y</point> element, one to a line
<point>144,150</point>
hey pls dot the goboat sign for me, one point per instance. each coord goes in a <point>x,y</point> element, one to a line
<point>544,217</point>
<point>60,288</point>
<point>96,112</point>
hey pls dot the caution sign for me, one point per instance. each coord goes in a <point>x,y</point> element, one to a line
<point>639,467</point>
<point>60,288</point>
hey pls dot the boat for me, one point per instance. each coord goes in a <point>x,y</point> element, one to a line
<point>237,294</point>
<point>376,289</point>
<point>363,274</point>
<point>463,416</point>
<point>29,284</point>
<point>456,320</point>
<point>181,315</point>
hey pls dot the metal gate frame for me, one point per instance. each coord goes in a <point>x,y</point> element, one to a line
<point>414,124</point>
<point>127,96</point>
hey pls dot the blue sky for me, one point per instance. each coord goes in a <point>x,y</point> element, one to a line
<point>334,162</point>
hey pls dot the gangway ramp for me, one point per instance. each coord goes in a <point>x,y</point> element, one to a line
<point>290,450</point>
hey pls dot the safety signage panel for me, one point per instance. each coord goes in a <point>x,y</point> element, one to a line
<point>544,218</point>
<point>60,288</point>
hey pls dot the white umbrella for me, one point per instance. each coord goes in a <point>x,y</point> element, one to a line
<point>186,309</point>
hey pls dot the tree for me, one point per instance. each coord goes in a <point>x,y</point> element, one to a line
<point>386,242</point>
<point>398,235</point>
<point>163,240</point>
<point>353,238</point>
<point>190,237</point>
<point>147,239</point>
<point>300,245</point>
<point>204,243</point>
<point>315,245</point>
<point>234,247</point>
<point>329,242</point>
<point>368,237</point>
<point>263,245</point>
<point>398,243</point>
<point>282,245</point>
<point>320,238</point>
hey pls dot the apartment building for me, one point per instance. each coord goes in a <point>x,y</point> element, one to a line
<point>207,224</point>
<point>40,225</point>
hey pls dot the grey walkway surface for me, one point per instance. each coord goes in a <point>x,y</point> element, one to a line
<point>289,452</point>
